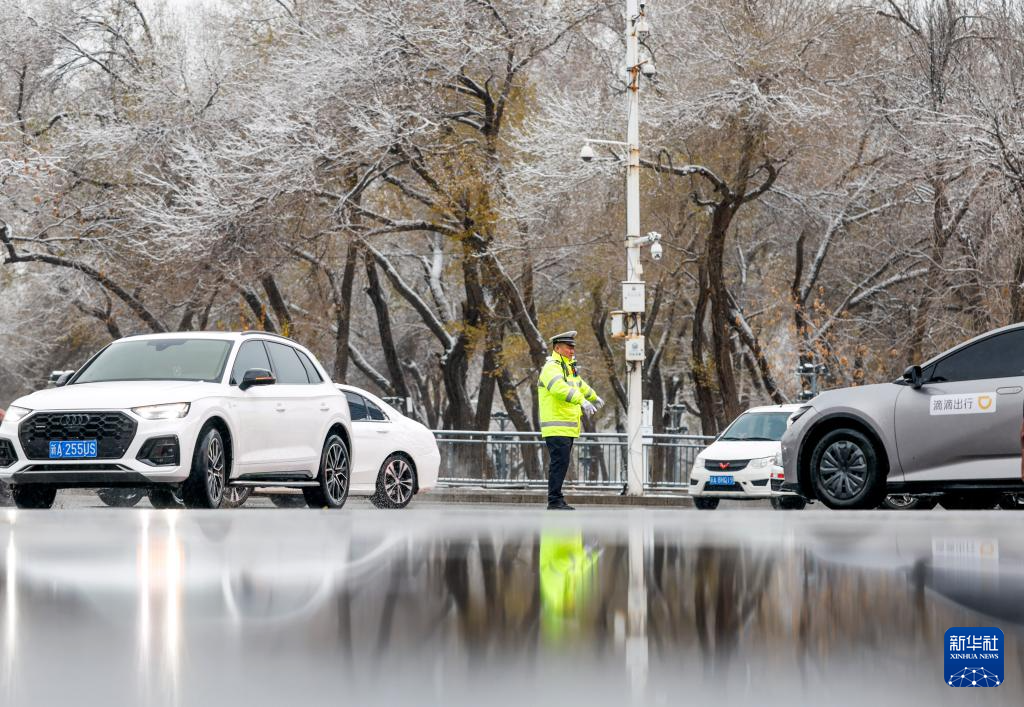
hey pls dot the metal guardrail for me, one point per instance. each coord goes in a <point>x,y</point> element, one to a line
<point>513,458</point>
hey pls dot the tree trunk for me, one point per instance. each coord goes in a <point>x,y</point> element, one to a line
<point>703,385</point>
<point>721,324</point>
<point>343,312</point>
<point>387,339</point>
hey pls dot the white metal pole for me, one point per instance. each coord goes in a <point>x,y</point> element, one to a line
<point>634,271</point>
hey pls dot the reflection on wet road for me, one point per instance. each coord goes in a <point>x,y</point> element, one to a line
<point>466,608</point>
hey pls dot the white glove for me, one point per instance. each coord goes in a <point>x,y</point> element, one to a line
<point>588,408</point>
<point>600,402</point>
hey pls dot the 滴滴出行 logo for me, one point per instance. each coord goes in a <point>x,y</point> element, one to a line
<point>974,657</point>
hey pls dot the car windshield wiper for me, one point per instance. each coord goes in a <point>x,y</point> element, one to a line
<point>748,439</point>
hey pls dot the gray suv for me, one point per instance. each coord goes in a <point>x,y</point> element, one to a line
<point>950,426</point>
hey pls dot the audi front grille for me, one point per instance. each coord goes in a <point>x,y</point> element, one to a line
<point>113,432</point>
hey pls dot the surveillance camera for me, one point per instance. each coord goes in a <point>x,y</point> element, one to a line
<point>656,250</point>
<point>647,69</point>
<point>587,152</point>
<point>643,30</point>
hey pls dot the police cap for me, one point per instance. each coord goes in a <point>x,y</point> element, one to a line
<point>566,337</point>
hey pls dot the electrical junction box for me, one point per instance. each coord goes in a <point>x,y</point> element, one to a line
<point>635,348</point>
<point>633,299</point>
<point>618,323</point>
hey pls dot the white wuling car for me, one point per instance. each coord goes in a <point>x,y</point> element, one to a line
<point>739,464</point>
<point>189,411</point>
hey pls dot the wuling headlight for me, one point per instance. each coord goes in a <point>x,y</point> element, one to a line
<point>761,463</point>
<point>14,414</point>
<point>778,459</point>
<point>171,411</point>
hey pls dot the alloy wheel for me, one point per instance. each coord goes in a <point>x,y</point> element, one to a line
<point>844,469</point>
<point>336,472</point>
<point>398,482</point>
<point>215,467</point>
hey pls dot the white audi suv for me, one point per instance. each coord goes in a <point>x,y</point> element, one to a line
<point>192,413</point>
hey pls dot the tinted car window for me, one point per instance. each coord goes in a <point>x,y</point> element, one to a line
<point>1000,356</point>
<point>250,355</point>
<point>356,406</point>
<point>287,365</point>
<point>159,360</point>
<point>311,372</point>
<point>375,412</point>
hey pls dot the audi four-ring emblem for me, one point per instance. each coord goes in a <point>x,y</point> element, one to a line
<point>74,420</point>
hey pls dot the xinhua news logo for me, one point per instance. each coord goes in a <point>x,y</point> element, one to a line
<point>974,657</point>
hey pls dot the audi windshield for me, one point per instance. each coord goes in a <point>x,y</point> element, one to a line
<point>757,427</point>
<point>158,360</point>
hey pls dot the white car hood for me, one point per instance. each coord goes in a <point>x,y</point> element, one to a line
<point>117,395</point>
<point>728,450</point>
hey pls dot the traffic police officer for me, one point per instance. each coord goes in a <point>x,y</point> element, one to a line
<point>563,397</point>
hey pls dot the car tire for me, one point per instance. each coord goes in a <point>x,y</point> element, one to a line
<point>33,496</point>
<point>331,490</point>
<point>121,498</point>
<point>1012,502</point>
<point>288,500</point>
<point>236,496</point>
<point>396,483</point>
<point>969,501</point>
<point>204,487</point>
<point>787,503</point>
<point>5,496</point>
<point>705,504</point>
<point>906,502</point>
<point>853,478</point>
<point>165,498</point>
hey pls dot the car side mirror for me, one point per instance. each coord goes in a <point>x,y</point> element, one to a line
<point>59,378</point>
<point>913,377</point>
<point>256,376</point>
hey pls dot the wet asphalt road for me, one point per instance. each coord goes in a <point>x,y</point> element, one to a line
<point>454,605</point>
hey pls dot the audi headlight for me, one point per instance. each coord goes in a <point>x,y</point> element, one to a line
<point>170,411</point>
<point>14,414</point>
<point>761,463</point>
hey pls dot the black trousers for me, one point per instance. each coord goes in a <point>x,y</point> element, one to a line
<point>560,452</point>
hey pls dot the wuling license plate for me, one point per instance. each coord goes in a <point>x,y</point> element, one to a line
<point>721,480</point>
<point>73,449</point>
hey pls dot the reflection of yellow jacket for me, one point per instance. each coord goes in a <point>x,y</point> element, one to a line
<point>566,578</point>
<point>561,394</point>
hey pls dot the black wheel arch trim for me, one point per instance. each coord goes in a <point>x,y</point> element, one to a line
<point>804,486</point>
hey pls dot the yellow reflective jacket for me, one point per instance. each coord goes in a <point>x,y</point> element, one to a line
<point>561,394</point>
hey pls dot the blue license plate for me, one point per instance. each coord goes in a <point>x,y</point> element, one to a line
<point>721,480</point>
<point>73,449</point>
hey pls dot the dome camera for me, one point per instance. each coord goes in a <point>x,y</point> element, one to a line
<point>656,250</point>
<point>647,69</point>
<point>587,152</point>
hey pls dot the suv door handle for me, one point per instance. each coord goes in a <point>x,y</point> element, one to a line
<point>383,432</point>
<point>1009,390</point>
<point>325,409</point>
<point>280,408</point>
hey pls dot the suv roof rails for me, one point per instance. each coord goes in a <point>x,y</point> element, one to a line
<point>265,333</point>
